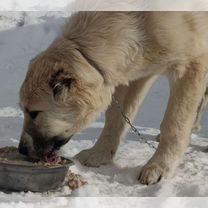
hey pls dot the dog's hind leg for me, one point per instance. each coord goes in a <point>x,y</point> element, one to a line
<point>130,98</point>
<point>185,96</point>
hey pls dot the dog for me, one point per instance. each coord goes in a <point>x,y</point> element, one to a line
<point>120,54</point>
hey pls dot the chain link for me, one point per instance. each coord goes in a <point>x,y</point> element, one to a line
<point>133,128</point>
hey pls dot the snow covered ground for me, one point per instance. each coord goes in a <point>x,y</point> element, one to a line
<point>22,36</point>
<point>103,5</point>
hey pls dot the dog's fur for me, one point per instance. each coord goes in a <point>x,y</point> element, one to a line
<point>104,53</point>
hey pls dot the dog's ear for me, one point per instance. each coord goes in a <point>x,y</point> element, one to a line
<point>60,84</point>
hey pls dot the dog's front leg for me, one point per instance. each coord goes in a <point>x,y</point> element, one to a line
<point>185,96</point>
<point>130,98</point>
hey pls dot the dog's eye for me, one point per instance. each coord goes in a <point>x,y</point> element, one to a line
<point>59,86</point>
<point>34,114</point>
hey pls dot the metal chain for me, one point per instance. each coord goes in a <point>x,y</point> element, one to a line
<point>133,128</point>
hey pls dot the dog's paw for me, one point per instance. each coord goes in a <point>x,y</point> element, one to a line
<point>95,157</point>
<point>152,173</point>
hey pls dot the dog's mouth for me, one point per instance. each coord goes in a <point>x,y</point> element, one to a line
<point>51,155</point>
<point>51,158</point>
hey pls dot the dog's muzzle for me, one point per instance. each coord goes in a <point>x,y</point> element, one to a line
<point>38,148</point>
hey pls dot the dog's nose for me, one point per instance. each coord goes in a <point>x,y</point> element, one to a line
<point>23,149</point>
<point>26,144</point>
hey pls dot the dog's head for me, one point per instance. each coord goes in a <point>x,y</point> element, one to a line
<point>60,96</point>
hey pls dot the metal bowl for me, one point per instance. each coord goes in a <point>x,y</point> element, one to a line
<point>36,178</point>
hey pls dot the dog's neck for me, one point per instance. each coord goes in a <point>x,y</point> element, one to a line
<point>111,48</point>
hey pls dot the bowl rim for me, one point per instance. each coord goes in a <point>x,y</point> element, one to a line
<point>58,166</point>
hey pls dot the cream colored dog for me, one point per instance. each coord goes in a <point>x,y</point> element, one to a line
<point>104,53</point>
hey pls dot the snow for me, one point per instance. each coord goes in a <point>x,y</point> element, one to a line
<point>139,5</point>
<point>34,5</point>
<point>10,112</point>
<point>22,36</point>
<point>103,5</point>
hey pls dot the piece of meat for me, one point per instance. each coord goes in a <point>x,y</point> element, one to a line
<point>74,181</point>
